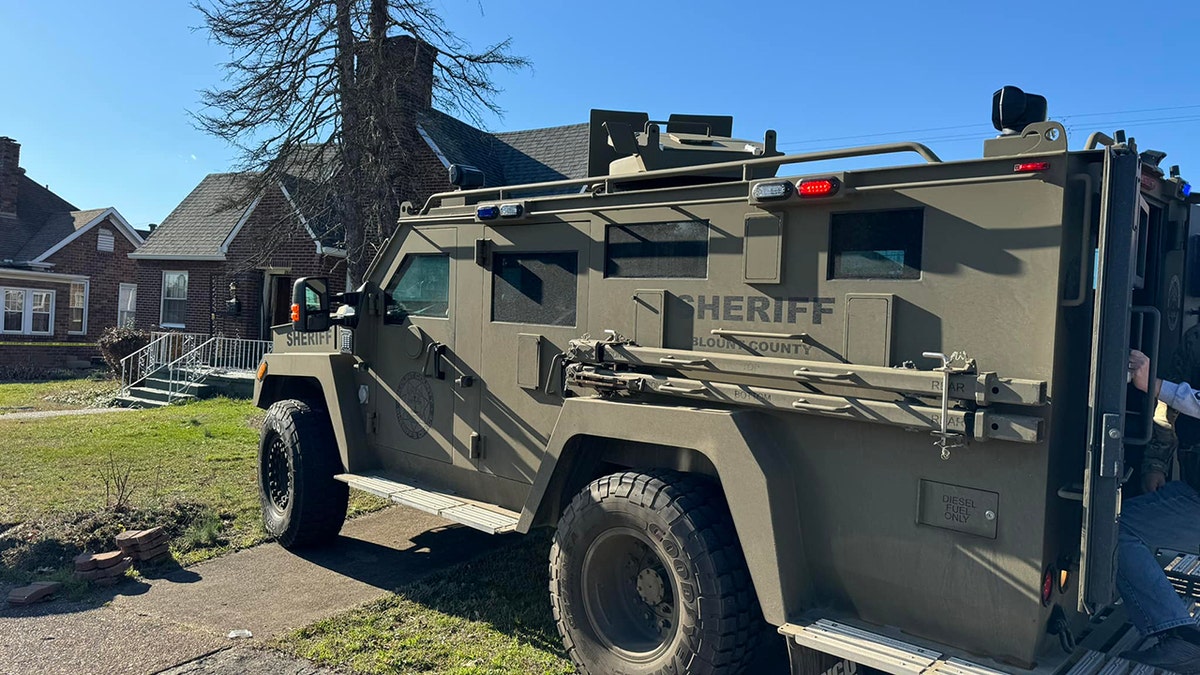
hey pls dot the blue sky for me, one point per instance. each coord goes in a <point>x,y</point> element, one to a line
<point>98,93</point>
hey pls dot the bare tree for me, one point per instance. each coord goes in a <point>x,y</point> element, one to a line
<point>310,98</point>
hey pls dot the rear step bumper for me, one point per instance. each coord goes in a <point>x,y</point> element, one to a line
<point>487,518</point>
<point>898,657</point>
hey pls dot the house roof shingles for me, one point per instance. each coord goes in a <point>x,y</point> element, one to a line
<point>203,220</point>
<point>512,157</point>
<point>38,210</point>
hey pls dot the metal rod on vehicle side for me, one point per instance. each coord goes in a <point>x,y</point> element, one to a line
<point>982,388</point>
<point>729,332</point>
<point>980,424</point>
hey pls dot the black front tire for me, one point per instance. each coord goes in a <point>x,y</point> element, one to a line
<point>302,504</point>
<point>647,576</point>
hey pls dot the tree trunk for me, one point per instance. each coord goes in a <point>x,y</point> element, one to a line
<point>349,145</point>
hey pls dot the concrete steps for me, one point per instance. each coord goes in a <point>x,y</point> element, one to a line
<point>155,392</point>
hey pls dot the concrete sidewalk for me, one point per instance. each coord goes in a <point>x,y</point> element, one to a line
<point>42,414</point>
<point>173,620</point>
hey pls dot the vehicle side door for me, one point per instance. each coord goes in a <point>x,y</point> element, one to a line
<point>535,301</point>
<point>414,400</point>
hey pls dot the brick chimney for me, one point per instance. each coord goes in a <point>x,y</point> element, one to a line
<point>10,175</point>
<point>408,68</point>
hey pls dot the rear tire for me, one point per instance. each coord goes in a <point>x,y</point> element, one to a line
<point>302,504</point>
<point>647,576</point>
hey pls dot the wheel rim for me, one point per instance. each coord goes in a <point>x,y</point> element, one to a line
<point>277,476</point>
<point>629,596</point>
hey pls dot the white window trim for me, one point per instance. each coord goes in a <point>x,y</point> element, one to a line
<point>27,311</point>
<point>87,295</point>
<point>162,298</point>
<point>121,287</point>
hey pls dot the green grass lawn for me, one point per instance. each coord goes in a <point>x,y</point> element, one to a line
<point>56,394</point>
<point>486,616</point>
<point>70,483</point>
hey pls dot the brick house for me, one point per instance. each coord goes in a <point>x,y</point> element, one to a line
<point>65,273</point>
<point>223,262</point>
<point>214,249</point>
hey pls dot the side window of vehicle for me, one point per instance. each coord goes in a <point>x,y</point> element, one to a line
<point>876,244</point>
<point>420,288</point>
<point>536,288</point>
<point>657,250</point>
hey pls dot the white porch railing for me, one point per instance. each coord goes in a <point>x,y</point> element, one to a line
<point>162,349</point>
<point>217,355</point>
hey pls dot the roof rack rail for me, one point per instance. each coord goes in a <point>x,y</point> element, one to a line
<point>608,182</point>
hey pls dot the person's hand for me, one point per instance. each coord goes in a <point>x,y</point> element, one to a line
<point>1152,480</point>
<point>1139,367</point>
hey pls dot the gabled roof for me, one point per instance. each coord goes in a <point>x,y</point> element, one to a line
<point>204,224</point>
<point>45,223</point>
<point>512,157</point>
<point>82,221</point>
<point>199,227</point>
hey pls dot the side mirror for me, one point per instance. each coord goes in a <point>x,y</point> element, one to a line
<point>310,305</point>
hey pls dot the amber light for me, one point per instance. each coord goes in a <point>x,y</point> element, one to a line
<point>1031,167</point>
<point>1064,576</point>
<point>820,187</point>
<point>262,370</point>
<point>295,312</point>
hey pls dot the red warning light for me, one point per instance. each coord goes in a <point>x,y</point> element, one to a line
<point>1031,167</point>
<point>819,187</point>
<point>1047,586</point>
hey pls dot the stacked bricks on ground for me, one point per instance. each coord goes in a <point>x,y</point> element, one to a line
<point>102,568</point>
<point>35,592</point>
<point>144,545</point>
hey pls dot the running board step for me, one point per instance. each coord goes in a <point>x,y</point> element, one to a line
<point>487,518</point>
<point>902,658</point>
<point>878,651</point>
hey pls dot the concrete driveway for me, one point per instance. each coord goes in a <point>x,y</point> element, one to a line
<point>179,621</point>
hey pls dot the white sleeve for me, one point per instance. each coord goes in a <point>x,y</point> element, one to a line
<point>1181,397</point>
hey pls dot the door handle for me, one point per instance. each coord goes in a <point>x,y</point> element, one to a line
<point>433,360</point>
<point>1149,401</point>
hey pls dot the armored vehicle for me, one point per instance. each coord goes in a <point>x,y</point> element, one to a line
<point>881,409</point>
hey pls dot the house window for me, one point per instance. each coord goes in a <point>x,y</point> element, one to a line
<point>537,288</point>
<point>28,311</point>
<point>174,299</point>
<point>126,304</point>
<point>14,310</point>
<point>78,321</point>
<point>104,241</point>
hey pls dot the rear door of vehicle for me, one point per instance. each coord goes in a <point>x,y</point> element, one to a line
<point>1117,326</point>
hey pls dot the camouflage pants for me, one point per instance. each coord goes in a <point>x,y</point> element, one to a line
<point>1164,443</point>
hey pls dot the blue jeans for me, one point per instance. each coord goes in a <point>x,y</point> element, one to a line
<point>1167,518</point>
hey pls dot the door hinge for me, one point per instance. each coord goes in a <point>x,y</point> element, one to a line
<point>477,446</point>
<point>483,253</point>
<point>374,422</point>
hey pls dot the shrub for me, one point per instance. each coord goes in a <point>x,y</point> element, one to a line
<point>117,343</point>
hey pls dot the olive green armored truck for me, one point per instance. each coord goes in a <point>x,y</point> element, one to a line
<point>863,401</point>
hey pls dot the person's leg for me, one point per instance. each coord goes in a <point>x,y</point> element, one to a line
<point>1150,600</point>
<point>1169,517</point>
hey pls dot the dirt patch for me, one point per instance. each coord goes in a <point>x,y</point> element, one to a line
<point>45,548</point>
